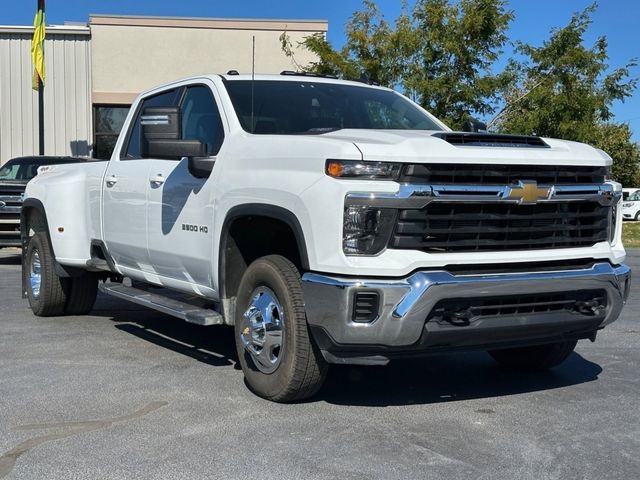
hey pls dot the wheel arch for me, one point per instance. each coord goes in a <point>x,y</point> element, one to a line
<point>264,211</point>
<point>34,208</point>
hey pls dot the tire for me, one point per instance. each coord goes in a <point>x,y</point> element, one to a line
<point>46,291</point>
<point>534,358</point>
<point>270,309</point>
<point>82,294</point>
<point>637,217</point>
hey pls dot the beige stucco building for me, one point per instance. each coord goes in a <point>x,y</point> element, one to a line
<point>95,71</point>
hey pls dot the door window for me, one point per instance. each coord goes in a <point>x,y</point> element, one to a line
<point>201,118</point>
<point>164,99</point>
<point>635,196</point>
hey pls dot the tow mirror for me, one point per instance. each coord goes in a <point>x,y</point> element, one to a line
<point>474,126</point>
<point>162,135</point>
<point>201,166</point>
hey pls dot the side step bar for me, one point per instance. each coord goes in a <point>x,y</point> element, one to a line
<point>199,315</point>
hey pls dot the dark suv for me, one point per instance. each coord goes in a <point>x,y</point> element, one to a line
<point>14,176</point>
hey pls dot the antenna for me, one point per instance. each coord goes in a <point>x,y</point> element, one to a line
<point>253,81</point>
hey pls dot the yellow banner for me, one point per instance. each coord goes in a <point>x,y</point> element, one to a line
<point>37,48</point>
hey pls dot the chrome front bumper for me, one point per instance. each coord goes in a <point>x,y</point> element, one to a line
<point>406,303</point>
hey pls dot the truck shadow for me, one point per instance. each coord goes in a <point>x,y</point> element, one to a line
<point>433,379</point>
<point>211,345</point>
<point>446,378</point>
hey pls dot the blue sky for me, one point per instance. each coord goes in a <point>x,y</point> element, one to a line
<point>618,20</point>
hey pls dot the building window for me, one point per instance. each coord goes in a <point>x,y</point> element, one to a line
<point>108,121</point>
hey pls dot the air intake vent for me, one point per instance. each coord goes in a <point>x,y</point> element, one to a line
<point>463,311</point>
<point>491,140</point>
<point>365,306</point>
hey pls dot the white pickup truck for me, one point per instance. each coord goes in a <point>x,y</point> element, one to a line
<point>332,222</point>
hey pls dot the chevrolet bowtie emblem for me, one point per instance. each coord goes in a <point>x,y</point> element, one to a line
<point>527,191</point>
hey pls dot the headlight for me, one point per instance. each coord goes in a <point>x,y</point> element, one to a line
<point>364,170</point>
<point>627,205</point>
<point>366,230</point>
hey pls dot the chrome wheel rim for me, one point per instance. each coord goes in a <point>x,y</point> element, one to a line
<point>35,274</point>
<point>262,330</point>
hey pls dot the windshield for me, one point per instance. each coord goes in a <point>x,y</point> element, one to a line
<point>286,107</point>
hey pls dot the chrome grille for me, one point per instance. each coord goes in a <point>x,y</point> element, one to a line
<point>10,204</point>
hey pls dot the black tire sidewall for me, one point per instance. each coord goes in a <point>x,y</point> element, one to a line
<point>265,273</point>
<point>35,245</point>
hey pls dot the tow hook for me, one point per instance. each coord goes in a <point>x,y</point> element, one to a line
<point>459,318</point>
<point>589,307</point>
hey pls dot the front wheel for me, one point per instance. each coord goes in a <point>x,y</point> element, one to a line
<point>537,357</point>
<point>277,354</point>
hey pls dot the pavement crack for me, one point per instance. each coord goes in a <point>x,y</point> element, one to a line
<point>9,459</point>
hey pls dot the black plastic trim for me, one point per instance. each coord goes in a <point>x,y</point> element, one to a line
<point>263,210</point>
<point>492,139</point>
<point>438,343</point>
<point>99,244</point>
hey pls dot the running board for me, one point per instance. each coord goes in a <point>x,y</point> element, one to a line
<point>189,312</point>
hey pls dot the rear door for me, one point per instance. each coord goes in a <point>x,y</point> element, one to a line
<point>126,186</point>
<point>181,206</point>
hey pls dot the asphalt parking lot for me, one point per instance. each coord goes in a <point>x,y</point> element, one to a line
<point>128,393</point>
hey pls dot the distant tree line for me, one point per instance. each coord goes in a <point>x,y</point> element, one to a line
<point>442,54</point>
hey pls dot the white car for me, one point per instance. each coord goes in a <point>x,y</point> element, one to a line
<point>332,222</point>
<point>631,203</point>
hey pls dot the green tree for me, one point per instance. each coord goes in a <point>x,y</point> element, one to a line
<point>562,89</point>
<point>615,139</point>
<point>440,53</point>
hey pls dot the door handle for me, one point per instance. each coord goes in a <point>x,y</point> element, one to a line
<point>111,180</point>
<point>157,180</point>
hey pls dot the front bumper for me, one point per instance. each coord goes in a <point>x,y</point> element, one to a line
<point>405,306</point>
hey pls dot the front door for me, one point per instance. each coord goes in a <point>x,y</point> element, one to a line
<point>181,206</point>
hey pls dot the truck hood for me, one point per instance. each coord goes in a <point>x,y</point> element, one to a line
<point>421,146</point>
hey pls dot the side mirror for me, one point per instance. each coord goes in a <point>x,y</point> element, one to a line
<point>201,166</point>
<point>474,126</point>
<point>162,135</point>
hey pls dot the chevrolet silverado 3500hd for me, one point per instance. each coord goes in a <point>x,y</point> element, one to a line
<point>332,222</point>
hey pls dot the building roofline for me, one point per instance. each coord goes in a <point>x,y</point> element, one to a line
<point>215,23</point>
<point>50,29</point>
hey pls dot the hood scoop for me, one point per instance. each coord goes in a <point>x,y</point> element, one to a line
<point>491,140</point>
